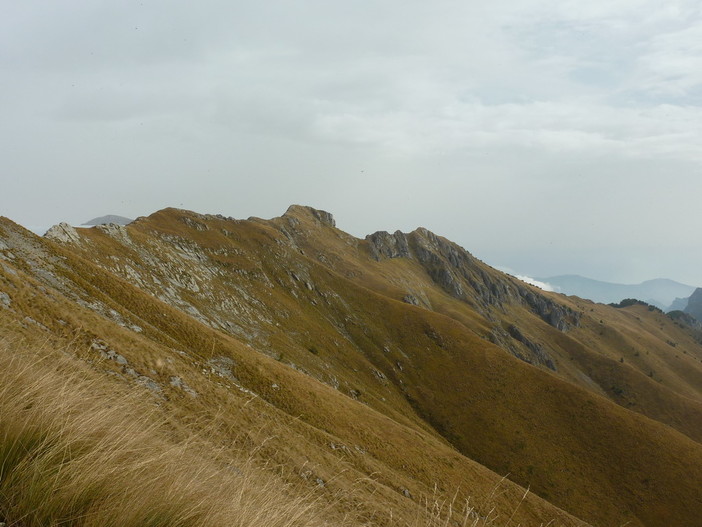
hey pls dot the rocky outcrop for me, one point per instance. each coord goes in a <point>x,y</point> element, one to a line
<point>5,300</point>
<point>64,233</point>
<point>382,244</point>
<point>560,317</point>
<point>685,319</point>
<point>694,304</point>
<point>322,216</point>
<point>538,353</point>
<point>464,277</point>
<point>116,231</point>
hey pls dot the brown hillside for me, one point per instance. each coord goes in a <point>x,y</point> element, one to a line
<point>399,361</point>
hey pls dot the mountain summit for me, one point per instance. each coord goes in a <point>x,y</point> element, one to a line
<point>379,372</point>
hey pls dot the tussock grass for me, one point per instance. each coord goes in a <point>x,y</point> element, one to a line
<point>72,454</point>
<point>463,512</point>
<point>76,452</point>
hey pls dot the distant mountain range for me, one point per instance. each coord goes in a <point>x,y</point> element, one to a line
<point>110,218</point>
<point>659,292</point>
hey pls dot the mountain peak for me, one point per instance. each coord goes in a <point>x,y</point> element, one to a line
<point>110,218</point>
<point>304,211</point>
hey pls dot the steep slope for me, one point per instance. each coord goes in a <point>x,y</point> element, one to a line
<point>694,304</point>
<point>369,465</point>
<point>400,355</point>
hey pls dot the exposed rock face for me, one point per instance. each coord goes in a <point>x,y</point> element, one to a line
<point>5,299</point>
<point>684,318</point>
<point>694,304</point>
<point>463,277</point>
<point>411,299</point>
<point>115,230</point>
<point>536,349</point>
<point>385,245</point>
<point>322,216</point>
<point>558,316</point>
<point>64,233</point>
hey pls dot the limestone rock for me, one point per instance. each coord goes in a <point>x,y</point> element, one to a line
<point>114,230</point>
<point>411,299</point>
<point>382,244</point>
<point>322,216</point>
<point>5,299</point>
<point>63,232</point>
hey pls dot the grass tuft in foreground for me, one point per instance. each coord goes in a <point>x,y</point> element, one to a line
<point>72,454</point>
<point>77,452</point>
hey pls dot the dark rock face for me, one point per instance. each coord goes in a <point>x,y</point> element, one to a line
<point>521,346</point>
<point>694,304</point>
<point>411,299</point>
<point>560,317</point>
<point>686,319</point>
<point>462,276</point>
<point>537,350</point>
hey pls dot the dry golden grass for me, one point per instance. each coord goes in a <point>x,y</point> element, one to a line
<point>433,401</point>
<point>74,453</point>
<point>76,450</point>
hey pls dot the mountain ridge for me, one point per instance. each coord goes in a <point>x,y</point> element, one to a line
<point>465,373</point>
<point>109,218</point>
<point>661,292</point>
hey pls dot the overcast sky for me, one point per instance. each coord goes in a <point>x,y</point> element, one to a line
<point>550,137</point>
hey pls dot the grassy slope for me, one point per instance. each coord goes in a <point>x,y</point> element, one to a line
<point>441,379</point>
<point>637,358</point>
<point>75,449</point>
<point>294,425</point>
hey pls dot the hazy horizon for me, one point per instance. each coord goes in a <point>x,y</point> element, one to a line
<point>549,137</point>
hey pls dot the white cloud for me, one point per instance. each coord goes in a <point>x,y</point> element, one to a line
<point>541,285</point>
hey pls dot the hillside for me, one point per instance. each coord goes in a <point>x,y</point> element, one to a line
<point>380,372</point>
<point>659,292</point>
